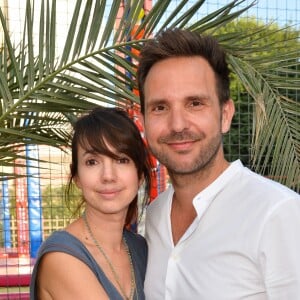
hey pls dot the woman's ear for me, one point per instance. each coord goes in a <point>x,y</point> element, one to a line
<point>77,181</point>
<point>141,180</point>
<point>75,178</point>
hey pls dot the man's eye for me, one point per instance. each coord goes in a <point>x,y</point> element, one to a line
<point>159,108</point>
<point>196,103</point>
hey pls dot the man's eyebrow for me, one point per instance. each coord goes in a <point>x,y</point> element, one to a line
<point>156,101</point>
<point>198,96</point>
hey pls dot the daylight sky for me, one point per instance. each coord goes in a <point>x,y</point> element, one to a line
<point>282,12</point>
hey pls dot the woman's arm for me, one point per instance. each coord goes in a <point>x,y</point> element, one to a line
<point>62,276</point>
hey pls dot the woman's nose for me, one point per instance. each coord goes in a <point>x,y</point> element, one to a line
<point>108,171</point>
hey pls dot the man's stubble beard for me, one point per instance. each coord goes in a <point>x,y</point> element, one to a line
<point>206,156</point>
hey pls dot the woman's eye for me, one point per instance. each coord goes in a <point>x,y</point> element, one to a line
<point>123,160</point>
<point>90,162</point>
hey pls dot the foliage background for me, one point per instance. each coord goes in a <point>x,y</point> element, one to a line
<point>47,80</point>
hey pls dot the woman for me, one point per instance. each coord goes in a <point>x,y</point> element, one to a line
<point>96,256</point>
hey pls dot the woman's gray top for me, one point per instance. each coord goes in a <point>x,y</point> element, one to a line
<point>62,241</point>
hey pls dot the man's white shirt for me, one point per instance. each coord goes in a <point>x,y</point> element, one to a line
<point>243,244</point>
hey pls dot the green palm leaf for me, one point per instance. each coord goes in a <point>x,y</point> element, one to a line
<point>42,90</point>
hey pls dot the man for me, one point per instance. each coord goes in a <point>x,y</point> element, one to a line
<point>220,231</point>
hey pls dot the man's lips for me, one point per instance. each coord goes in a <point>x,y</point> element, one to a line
<point>181,145</point>
<point>181,141</point>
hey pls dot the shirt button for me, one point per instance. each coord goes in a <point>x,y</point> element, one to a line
<point>175,257</point>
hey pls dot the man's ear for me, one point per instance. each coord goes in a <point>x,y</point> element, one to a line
<point>142,119</point>
<point>227,115</point>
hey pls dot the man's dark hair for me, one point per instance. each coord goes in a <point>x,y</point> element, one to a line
<point>184,43</point>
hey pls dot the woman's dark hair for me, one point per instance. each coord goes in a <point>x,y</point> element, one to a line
<point>105,126</point>
<point>184,43</point>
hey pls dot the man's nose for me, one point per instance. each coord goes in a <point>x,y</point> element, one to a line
<point>178,119</point>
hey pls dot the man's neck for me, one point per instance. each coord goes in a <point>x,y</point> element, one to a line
<point>187,186</point>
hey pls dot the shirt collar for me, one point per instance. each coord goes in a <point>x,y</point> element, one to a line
<point>202,200</point>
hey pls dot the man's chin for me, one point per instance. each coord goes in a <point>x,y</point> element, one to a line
<point>181,169</point>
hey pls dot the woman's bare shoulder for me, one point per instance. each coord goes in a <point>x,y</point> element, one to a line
<point>60,276</point>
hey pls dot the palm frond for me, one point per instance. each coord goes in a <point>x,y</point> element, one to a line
<point>43,90</point>
<point>276,139</point>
